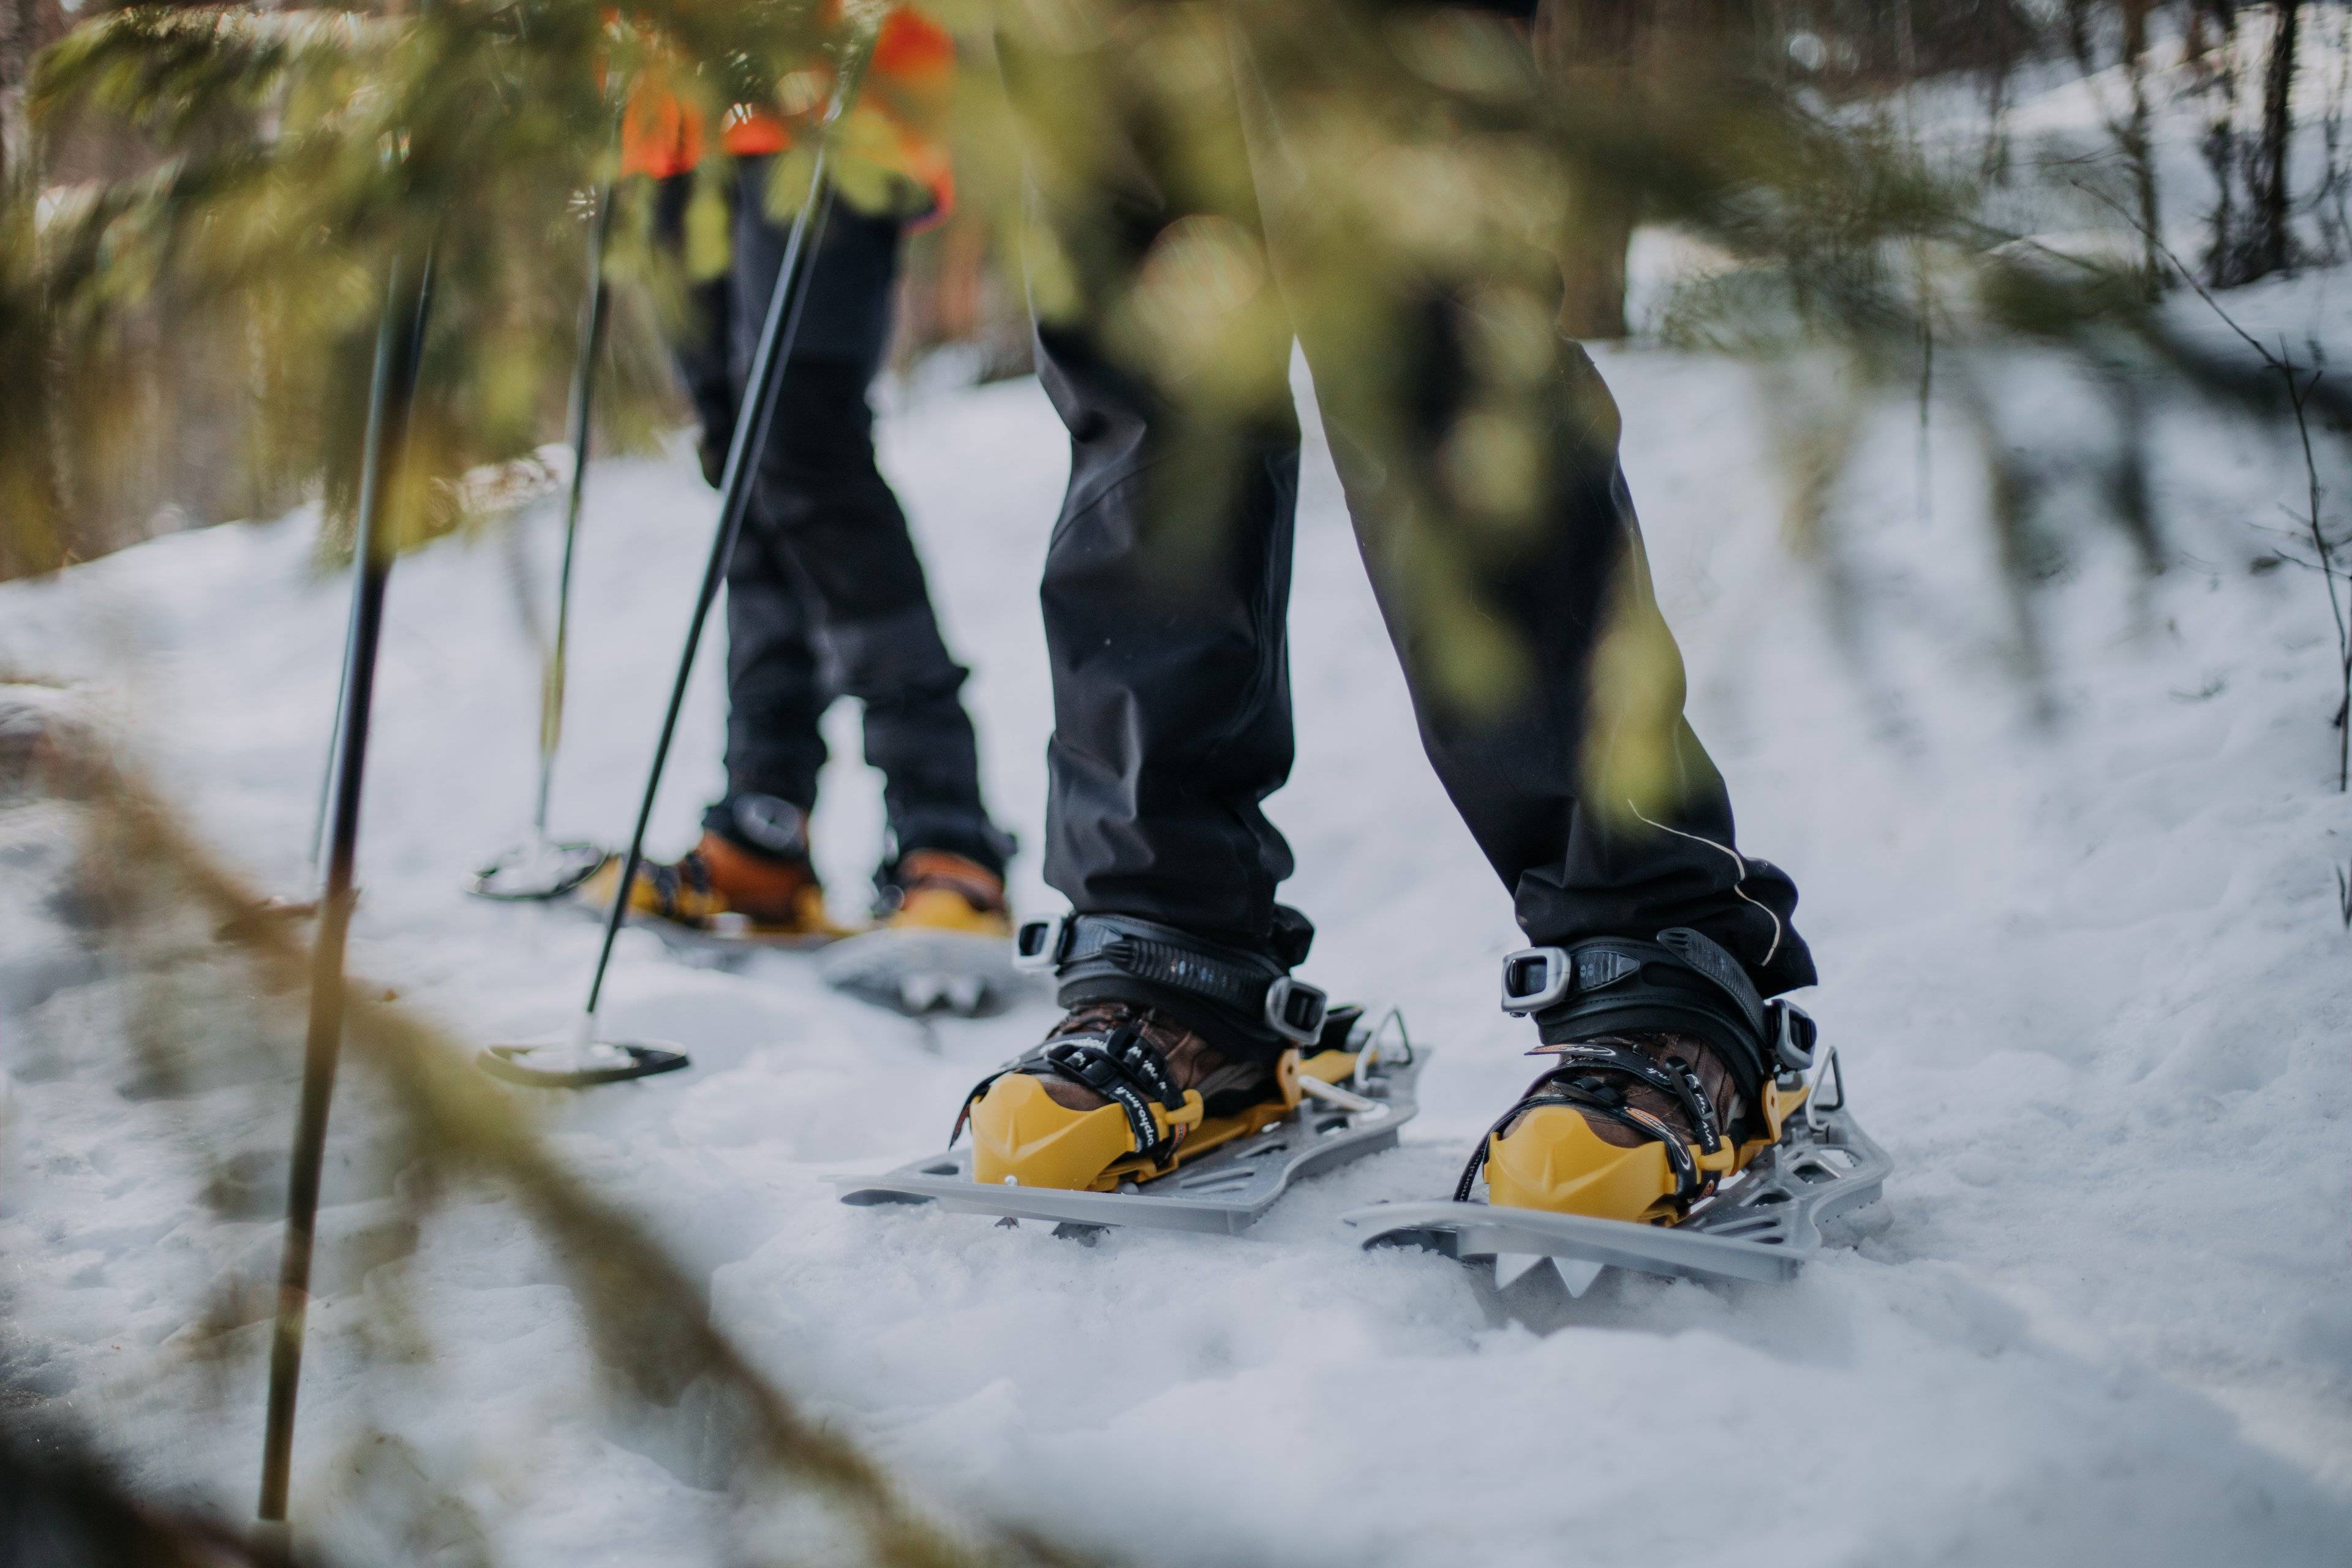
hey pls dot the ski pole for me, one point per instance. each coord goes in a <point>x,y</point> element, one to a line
<point>335,728</point>
<point>583,383</point>
<point>540,869</point>
<point>745,449</point>
<point>391,397</point>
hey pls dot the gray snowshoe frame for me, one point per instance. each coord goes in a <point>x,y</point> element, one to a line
<point>1765,1226</point>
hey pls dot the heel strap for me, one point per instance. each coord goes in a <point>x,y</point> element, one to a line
<point>1682,982</point>
<point>1086,946</point>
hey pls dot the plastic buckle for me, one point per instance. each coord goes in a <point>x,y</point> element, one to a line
<point>1294,1010</point>
<point>1038,945</point>
<point>1535,978</point>
<point>1795,1035</point>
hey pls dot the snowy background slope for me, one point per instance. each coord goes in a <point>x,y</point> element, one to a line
<point>2087,971</point>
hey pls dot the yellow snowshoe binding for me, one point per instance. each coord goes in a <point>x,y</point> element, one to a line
<point>1165,1096</point>
<point>1639,1029</point>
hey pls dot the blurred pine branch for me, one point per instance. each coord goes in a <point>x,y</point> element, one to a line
<point>648,1325</point>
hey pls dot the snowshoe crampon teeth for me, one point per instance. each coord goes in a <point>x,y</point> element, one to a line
<point>1020,1134</point>
<point>927,992</point>
<point>1575,1274</point>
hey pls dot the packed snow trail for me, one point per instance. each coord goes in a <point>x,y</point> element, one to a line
<point>2086,976</point>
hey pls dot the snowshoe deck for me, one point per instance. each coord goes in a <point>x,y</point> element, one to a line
<point>1222,1194</point>
<point>919,972</point>
<point>719,946</point>
<point>568,1064</point>
<point>713,947</point>
<point>1765,1227</point>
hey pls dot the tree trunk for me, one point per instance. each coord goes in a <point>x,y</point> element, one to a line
<point>2215,55</point>
<point>2274,238</point>
<point>2136,145</point>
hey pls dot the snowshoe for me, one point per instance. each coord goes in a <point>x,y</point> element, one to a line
<point>539,871</point>
<point>1127,1114</point>
<point>1684,1131</point>
<point>720,900</point>
<point>943,943</point>
<point>1322,1109</point>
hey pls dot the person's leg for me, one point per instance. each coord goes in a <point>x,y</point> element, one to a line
<point>1166,582</point>
<point>823,506</point>
<point>752,861</point>
<point>1478,449</point>
<point>701,349</point>
<point>774,698</point>
<point>1166,588</point>
<point>1568,755</point>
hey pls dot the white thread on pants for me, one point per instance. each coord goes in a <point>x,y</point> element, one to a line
<point>1738,859</point>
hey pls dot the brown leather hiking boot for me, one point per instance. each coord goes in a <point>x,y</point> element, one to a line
<point>1634,1126</point>
<point>1714,1082</point>
<point>1118,1092</point>
<point>1192,1062</point>
<point>1672,1074</point>
<point>938,890</point>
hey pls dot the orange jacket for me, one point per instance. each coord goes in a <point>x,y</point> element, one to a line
<point>892,129</point>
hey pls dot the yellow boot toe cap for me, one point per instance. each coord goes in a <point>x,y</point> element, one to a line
<point>1018,1133</point>
<point>1554,1160</point>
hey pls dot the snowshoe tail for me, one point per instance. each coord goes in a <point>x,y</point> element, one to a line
<point>537,872</point>
<point>570,1065</point>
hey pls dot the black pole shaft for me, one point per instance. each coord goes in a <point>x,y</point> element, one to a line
<point>584,385</point>
<point>335,728</point>
<point>392,396</point>
<point>745,449</point>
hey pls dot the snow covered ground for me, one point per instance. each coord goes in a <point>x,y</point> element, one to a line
<point>2082,954</point>
<point>2088,974</point>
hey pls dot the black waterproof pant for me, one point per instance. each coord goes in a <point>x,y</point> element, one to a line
<point>825,596</point>
<point>1168,578</point>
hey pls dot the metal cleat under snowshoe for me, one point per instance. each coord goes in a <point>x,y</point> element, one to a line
<point>920,971</point>
<point>944,943</point>
<point>1084,1170</point>
<point>1732,1184</point>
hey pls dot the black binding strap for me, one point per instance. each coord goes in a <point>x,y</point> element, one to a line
<point>1122,1067</point>
<point>1682,982</point>
<point>1254,986</point>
